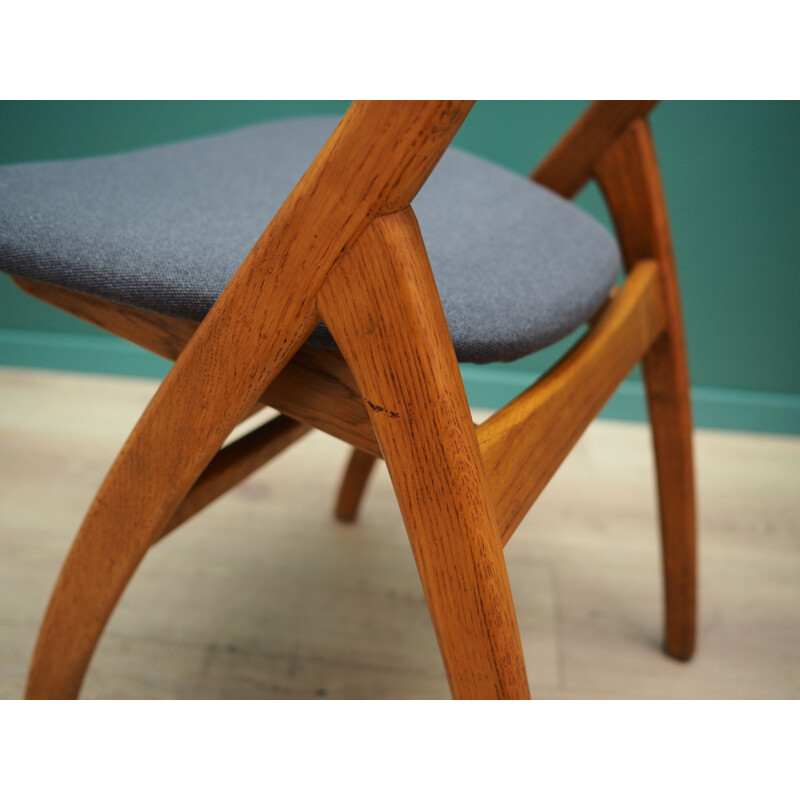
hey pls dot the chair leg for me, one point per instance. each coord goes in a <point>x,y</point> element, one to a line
<point>161,460</point>
<point>224,369</point>
<point>457,549</point>
<point>380,307</point>
<point>670,417</point>
<point>629,177</point>
<point>354,482</point>
<point>93,577</point>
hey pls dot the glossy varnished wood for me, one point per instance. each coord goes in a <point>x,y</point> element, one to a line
<point>392,331</point>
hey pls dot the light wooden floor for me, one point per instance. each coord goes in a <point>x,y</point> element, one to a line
<point>264,595</point>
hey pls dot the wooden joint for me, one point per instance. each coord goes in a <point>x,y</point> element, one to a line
<point>571,162</point>
<point>315,387</point>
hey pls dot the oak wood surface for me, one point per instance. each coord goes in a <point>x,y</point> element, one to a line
<point>391,329</point>
<point>570,164</point>
<point>629,177</point>
<point>374,162</point>
<point>345,248</point>
<point>524,443</point>
<point>315,387</point>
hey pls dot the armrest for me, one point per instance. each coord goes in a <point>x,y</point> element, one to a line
<point>570,164</point>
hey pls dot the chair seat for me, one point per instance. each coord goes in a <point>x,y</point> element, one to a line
<point>165,228</point>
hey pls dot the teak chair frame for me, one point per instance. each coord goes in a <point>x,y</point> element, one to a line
<point>345,248</point>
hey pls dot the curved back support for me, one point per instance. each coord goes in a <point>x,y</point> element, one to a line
<point>374,163</point>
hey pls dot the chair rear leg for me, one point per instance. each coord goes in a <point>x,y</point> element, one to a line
<point>382,308</point>
<point>354,482</point>
<point>629,178</point>
<point>670,417</point>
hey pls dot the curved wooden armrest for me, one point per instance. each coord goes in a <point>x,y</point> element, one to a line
<point>570,164</point>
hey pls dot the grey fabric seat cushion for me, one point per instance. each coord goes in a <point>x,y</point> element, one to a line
<point>165,228</point>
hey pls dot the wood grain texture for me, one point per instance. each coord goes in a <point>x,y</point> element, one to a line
<point>524,443</point>
<point>571,162</point>
<point>374,162</point>
<point>354,482</point>
<point>629,178</point>
<point>382,307</point>
<point>345,248</point>
<point>315,387</point>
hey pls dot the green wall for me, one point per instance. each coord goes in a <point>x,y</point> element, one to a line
<point>732,178</point>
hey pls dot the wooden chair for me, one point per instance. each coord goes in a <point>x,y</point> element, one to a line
<point>345,248</point>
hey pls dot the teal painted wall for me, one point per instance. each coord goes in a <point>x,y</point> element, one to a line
<point>732,178</point>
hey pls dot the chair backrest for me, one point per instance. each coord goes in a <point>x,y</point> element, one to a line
<point>373,164</point>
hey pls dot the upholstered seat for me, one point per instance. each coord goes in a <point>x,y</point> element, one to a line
<point>165,228</point>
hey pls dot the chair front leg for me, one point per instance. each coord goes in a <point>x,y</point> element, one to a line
<point>219,376</point>
<point>382,308</point>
